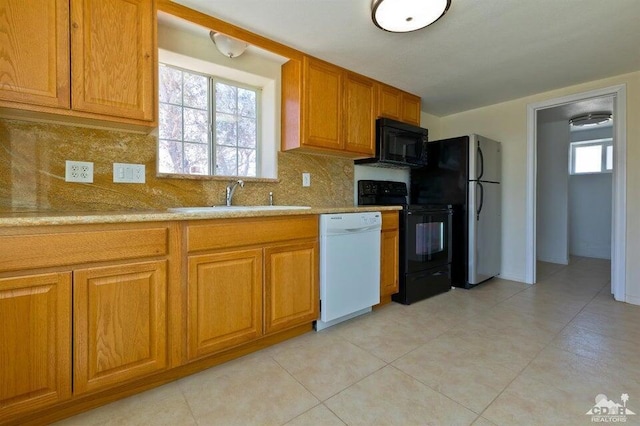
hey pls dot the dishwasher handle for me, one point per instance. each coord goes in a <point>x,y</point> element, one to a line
<point>353,230</point>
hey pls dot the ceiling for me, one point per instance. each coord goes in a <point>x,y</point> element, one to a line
<point>575,109</point>
<point>480,53</point>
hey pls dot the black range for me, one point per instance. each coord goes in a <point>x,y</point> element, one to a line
<point>425,240</point>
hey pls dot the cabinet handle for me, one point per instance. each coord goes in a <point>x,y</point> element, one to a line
<point>75,25</point>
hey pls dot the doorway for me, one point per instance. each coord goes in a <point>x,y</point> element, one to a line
<point>618,255</point>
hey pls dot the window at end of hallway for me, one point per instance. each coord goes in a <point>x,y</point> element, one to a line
<point>588,157</point>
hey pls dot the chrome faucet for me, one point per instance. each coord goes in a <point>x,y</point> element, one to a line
<point>231,188</point>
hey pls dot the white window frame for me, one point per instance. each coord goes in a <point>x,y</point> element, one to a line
<point>211,105</point>
<point>604,143</point>
<point>212,123</point>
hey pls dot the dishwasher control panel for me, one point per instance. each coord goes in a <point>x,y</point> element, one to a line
<point>350,222</point>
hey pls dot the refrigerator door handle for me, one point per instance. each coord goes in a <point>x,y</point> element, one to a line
<point>481,200</point>
<point>481,165</point>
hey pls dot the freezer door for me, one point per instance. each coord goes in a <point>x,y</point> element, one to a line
<point>485,159</point>
<point>485,231</point>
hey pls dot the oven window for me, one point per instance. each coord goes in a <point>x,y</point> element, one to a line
<point>429,238</point>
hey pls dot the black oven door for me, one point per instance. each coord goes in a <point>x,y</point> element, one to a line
<point>427,242</point>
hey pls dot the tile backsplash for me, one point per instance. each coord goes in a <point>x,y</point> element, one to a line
<point>32,170</point>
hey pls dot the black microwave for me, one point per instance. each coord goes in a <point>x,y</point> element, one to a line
<point>398,144</point>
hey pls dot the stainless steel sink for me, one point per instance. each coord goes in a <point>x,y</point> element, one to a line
<point>233,209</point>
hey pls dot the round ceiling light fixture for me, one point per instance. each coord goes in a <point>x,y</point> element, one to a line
<point>591,119</point>
<point>403,16</point>
<point>228,46</point>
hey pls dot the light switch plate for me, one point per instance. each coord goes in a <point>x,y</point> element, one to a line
<point>306,179</point>
<point>128,173</point>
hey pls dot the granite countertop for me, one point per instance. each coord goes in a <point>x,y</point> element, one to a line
<point>42,218</point>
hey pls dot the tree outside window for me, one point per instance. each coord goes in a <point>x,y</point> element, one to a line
<point>207,126</point>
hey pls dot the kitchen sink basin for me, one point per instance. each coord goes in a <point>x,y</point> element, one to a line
<point>233,209</point>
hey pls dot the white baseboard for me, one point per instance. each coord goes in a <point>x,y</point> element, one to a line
<point>634,300</point>
<point>553,260</point>
<point>513,277</point>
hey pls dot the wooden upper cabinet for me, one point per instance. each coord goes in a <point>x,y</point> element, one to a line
<point>119,324</point>
<point>35,342</point>
<point>410,108</point>
<point>322,104</point>
<point>327,109</point>
<point>398,105</point>
<point>389,102</point>
<point>291,285</point>
<point>35,52</point>
<point>360,106</point>
<point>113,57</point>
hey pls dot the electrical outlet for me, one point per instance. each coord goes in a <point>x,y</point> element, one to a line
<point>306,179</point>
<point>78,171</point>
<point>128,173</point>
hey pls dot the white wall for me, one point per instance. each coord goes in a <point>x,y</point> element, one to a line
<point>552,202</point>
<point>590,213</point>
<point>507,122</point>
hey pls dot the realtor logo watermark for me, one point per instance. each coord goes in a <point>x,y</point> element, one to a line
<point>609,411</point>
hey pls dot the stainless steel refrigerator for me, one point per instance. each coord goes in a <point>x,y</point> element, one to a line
<point>465,172</point>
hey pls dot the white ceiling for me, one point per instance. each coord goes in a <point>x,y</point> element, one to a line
<point>480,53</point>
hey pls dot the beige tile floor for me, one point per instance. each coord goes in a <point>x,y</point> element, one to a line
<point>503,353</point>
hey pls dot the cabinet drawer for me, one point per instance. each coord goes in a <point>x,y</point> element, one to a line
<point>58,249</point>
<point>245,232</point>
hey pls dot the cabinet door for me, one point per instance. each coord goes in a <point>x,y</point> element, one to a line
<point>291,286</point>
<point>360,102</point>
<point>410,109</point>
<point>35,52</point>
<point>389,263</point>
<point>224,301</point>
<point>113,57</point>
<point>322,118</point>
<point>389,102</point>
<point>119,324</point>
<point>35,342</point>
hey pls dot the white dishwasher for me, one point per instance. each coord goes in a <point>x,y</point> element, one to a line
<point>349,266</point>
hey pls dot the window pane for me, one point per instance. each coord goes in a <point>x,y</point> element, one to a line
<point>170,122</point>
<point>247,102</point>
<point>609,160</point>
<point>226,130</point>
<point>226,98</point>
<point>196,91</point>
<point>588,159</point>
<point>196,159</point>
<point>170,157</point>
<point>196,125</point>
<point>247,133</point>
<point>170,85</point>
<point>246,162</point>
<point>226,161</point>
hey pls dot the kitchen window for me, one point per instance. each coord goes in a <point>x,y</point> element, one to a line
<point>208,126</point>
<point>594,156</point>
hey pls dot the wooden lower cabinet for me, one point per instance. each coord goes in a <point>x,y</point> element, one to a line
<point>35,342</point>
<point>389,255</point>
<point>224,301</point>
<point>389,262</point>
<point>291,293</point>
<point>119,324</point>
